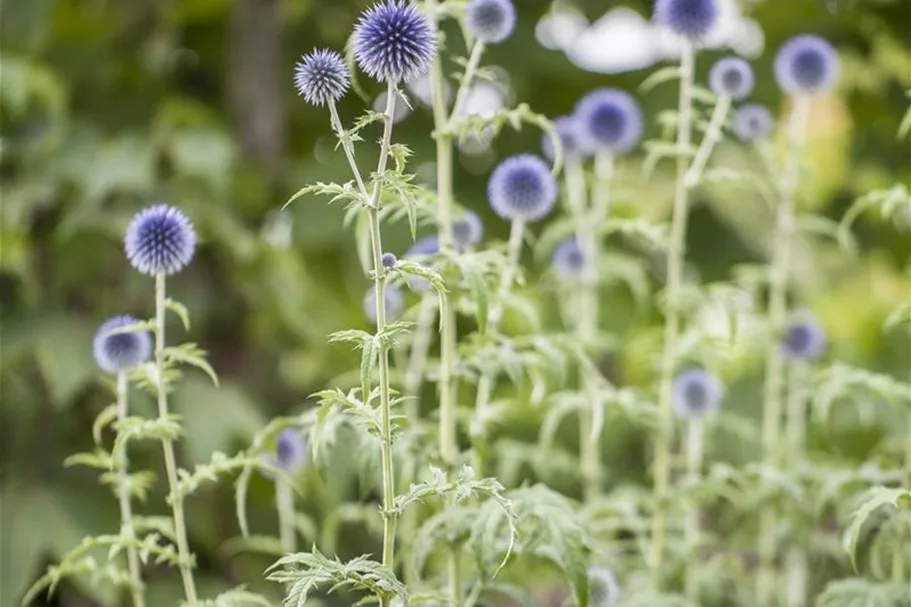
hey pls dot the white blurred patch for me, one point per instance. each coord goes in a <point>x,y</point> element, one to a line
<point>559,28</point>
<point>620,41</point>
<point>484,99</point>
<point>277,228</point>
<point>421,89</point>
<point>402,106</point>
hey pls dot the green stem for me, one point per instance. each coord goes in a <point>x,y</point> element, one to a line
<point>474,60</point>
<point>170,460</point>
<point>711,138</point>
<point>284,501</point>
<point>348,147</point>
<point>126,508</point>
<point>417,360</point>
<point>676,257</point>
<point>778,294</point>
<point>694,456</point>
<point>795,430</point>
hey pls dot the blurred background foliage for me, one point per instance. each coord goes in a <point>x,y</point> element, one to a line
<point>107,106</point>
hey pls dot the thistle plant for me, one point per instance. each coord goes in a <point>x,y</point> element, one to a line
<point>290,455</point>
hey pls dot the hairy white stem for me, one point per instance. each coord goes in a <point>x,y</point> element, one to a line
<point>126,508</point>
<point>694,457</point>
<point>474,59</point>
<point>284,502</point>
<point>711,138</point>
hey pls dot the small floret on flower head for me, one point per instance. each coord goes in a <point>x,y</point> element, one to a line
<point>522,188</point>
<point>393,42</point>
<point>389,260</point>
<point>568,258</point>
<point>604,591</point>
<point>690,19</point>
<point>467,230</point>
<point>395,304</point>
<point>490,21</point>
<point>696,392</point>
<point>160,240</point>
<point>610,120</point>
<point>733,77</point>
<point>806,64</point>
<point>753,122</point>
<point>119,352</point>
<point>804,338</point>
<point>571,138</point>
<point>321,76</point>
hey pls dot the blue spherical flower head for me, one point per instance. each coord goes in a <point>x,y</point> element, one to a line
<point>389,260</point>
<point>568,258</point>
<point>696,393</point>
<point>393,42</point>
<point>733,77</point>
<point>321,76</point>
<point>571,138</point>
<point>610,120</point>
<point>806,64</point>
<point>490,21</point>
<point>120,351</point>
<point>468,230</point>
<point>691,19</point>
<point>804,338</point>
<point>290,450</point>
<point>753,122</point>
<point>160,240</point>
<point>604,591</point>
<point>522,188</point>
<point>395,304</point>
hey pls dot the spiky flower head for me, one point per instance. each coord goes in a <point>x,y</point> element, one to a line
<point>160,240</point>
<point>490,21</point>
<point>389,260</point>
<point>696,392</point>
<point>753,122</point>
<point>467,230</point>
<point>321,76</point>
<point>603,589</point>
<point>732,76</point>
<point>393,42</point>
<point>570,133</point>
<point>804,338</point>
<point>610,120</point>
<point>690,19</point>
<point>522,188</point>
<point>395,304</point>
<point>568,258</point>
<point>119,352</point>
<point>806,64</point>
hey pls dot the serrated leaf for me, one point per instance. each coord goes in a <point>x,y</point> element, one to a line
<point>181,311</point>
<point>874,499</point>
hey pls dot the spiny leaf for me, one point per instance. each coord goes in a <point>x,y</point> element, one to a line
<point>181,311</point>
<point>346,192</point>
<point>190,354</point>
<point>874,499</point>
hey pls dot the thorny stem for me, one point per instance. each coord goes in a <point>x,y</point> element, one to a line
<point>711,138</point>
<point>795,430</point>
<point>778,293</point>
<point>675,260</point>
<point>348,147</point>
<point>694,457</point>
<point>170,461</point>
<point>284,501</point>
<point>126,508</point>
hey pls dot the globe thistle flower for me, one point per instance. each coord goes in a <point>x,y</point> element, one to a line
<point>806,64</point>
<point>570,133</point>
<point>804,338</point>
<point>733,77</point>
<point>490,21</point>
<point>522,188</point>
<point>393,42</point>
<point>610,120</point>
<point>395,304</point>
<point>120,351</point>
<point>321,77</point>
<point>160,240</point>
<point>468,230</point>
<point>389,260</point>
<point>753,122</point>
<point>696,392</point>
<point>568,258</point>
<point>603,589</point>
<point>290,450</point>
<point>690,19</point>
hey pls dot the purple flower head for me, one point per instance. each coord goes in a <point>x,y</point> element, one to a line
<point>321,76</point>
<point>160,240</point>
<point>120,351</point>
<point>393,42</point>
<point>568,259</point>
<point>610,120</point>
<point>691,19</point>
<point>603,589</point>
<point>571,137</point>
<point>753,122</point>
<point>806,64</point>
<point>389,260</point>
<point>290,450</point>
<point>490,21</point>
<point>395,304</point>
<point>804,338</point>
<point>468,230</point>
<point>733,77</point>
<point>696,392</point>
<point>522,188</point>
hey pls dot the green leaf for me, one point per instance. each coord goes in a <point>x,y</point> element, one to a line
<point>346,192</point>
<point>874,499</point>
<point>103,420</point>
<point>236,597</point>
<point>665,74</point>
<point>181,311</point>
<point>190,354</point>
